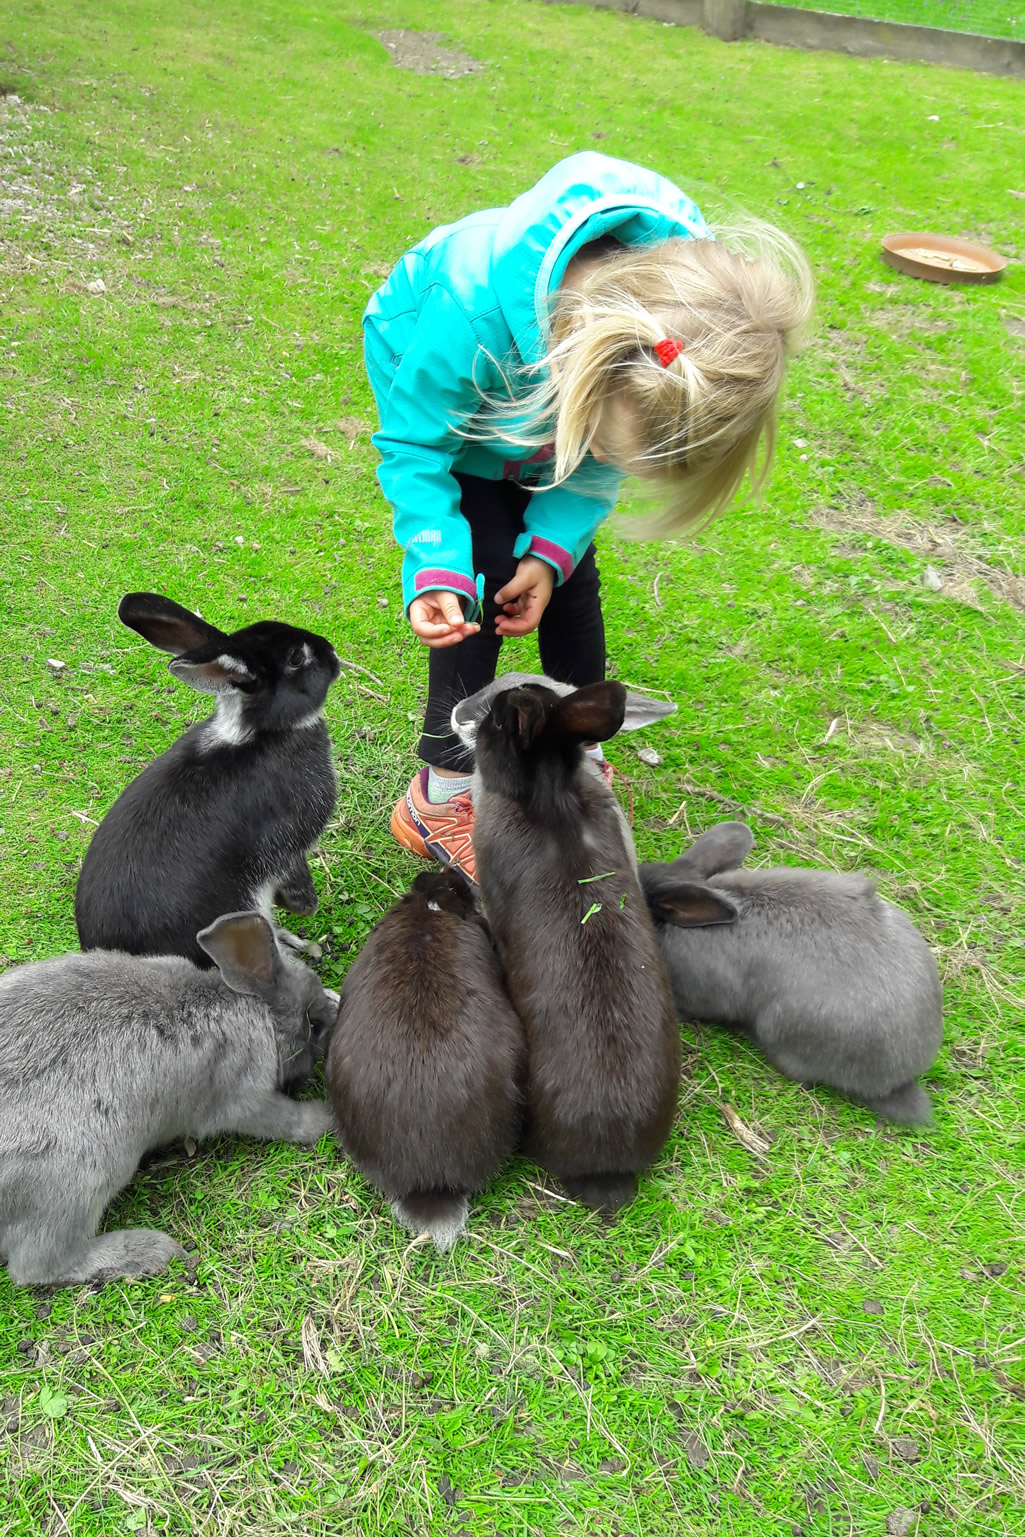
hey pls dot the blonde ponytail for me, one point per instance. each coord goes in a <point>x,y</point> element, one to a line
<point>698,426</point>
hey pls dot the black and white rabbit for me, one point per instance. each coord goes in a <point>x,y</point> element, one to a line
<point>558,882</point>
<point>834,984</point>
<point>224,819</point>
<point>425,1068</point>
<point>105,1055</point>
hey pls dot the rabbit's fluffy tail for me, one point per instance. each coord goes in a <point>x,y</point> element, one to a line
<point>442,1213</point>
<point>908,1105</point>
<point>602,1192</point>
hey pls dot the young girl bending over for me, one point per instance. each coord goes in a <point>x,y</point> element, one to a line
<point>523,361</point>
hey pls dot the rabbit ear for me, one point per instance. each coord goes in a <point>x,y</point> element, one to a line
<point>591,714</point>
<point>522,713</point>
<point>689,905</point>
<point>164,623</point>
<point>243,948</point>
<point>641,711</point>
<point>217,676</point>
<point>723,847</point>
<point>528,719</point>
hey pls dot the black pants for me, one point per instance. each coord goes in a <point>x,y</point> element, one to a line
<point>571,635</point>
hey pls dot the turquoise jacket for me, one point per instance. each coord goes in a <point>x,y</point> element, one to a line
<point>456,321</point>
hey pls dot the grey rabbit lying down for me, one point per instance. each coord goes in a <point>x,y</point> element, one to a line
<point>105,1055</point>
<point>834,984</point>
<point>425,1070</point>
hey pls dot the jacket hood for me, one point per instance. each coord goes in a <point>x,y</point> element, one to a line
<point>577,201</point>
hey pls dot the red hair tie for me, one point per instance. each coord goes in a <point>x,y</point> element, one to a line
<point>668,350</point>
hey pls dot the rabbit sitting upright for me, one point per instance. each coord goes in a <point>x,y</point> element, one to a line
<point>834,984</point>
<point>558,882</point>
<point>104,1056</point>
<point>223,820</point>
<point>426,1063</point>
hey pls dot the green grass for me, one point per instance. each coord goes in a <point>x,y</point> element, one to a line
<point>986,18</point>
<point>806,1342</point>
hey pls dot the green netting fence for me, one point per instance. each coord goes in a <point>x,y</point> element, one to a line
<point>987,18</point>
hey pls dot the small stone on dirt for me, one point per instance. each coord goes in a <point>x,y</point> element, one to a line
<point>906,1448</point>
<point>871,1306</point>
<point>932,579</point>
<point>694,1449</point>
<point>97,286</point>
<point>447,1492</point>
<point>871,1466</point>
<point>899,1521</point>
<point>649,756</point>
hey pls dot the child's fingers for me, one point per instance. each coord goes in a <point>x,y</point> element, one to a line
<point>451,639</point>
<point>442,634</point>
<point>525,616</point>
<point>438,618</point>
<point>517,585</point>
<point>521,626</point>
<point>451,608</point>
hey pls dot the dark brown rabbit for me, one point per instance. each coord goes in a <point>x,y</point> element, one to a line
<point>426,1064</point>
<point>558,882</point>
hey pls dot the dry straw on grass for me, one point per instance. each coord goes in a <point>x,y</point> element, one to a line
<point>948,548</point>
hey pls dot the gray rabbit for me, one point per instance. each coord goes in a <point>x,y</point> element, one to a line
<point>105,1055</point>
<point>834,984</point>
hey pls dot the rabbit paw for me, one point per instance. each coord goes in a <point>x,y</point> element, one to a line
<point>315,1118</point>
<point>303,946</point>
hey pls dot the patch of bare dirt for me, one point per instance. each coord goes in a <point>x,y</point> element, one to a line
<point>352,428</point>
<point>838,342</point>
<point>427,53</point>
<point>947,549</point>
<point>874,734</point>
<point>903,320</point>
<point>84,215</point>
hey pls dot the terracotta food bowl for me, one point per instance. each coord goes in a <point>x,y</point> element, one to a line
<point>942,258</point>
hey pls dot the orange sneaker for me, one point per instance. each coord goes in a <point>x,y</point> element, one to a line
<point>444,832</point>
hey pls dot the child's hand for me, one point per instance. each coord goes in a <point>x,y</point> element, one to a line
<point>437,617</point>
<point>525,598</point>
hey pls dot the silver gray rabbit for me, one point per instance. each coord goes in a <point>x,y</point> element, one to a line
<point>105,1055</point>
<point>834,984</point>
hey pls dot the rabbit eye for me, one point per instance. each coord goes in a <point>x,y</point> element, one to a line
<point>299,656</point>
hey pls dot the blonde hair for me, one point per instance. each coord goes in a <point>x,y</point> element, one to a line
<point>700,425</point>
